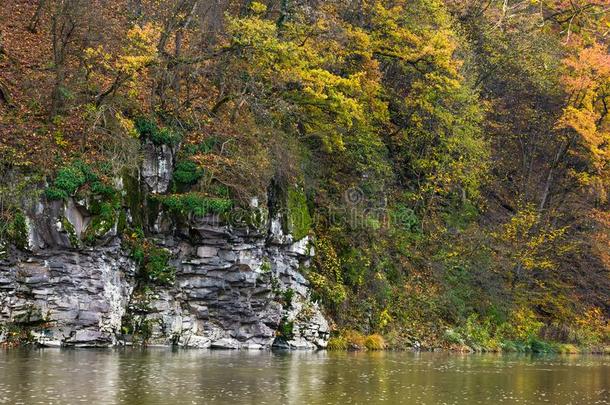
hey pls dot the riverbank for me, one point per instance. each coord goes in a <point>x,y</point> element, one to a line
<point>353,341</point>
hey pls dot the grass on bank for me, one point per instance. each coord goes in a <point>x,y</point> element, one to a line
<point>352,340</point>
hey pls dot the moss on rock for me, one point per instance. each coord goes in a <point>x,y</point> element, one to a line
<point>197,204</point>
<point>105,217</point>
<point>134,200</point>
<point>18,230</point>
<point>298,219</point>
<point>67,227</point>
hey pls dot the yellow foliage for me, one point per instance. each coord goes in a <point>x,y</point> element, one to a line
<point>529,244</point>
<point>567,349</point>
<point>337,343</point>
<point>127,125</point>
<point>60,141</point>
<point>333,103</point>
<point>385,318</point>
<point>523,324</point>
<point>257,7</point>
<point>588,83</point>
<point>123,67</point>
<point>140,50</point>
<point>593,328</point>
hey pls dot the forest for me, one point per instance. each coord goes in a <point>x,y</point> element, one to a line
<point>449,159</point>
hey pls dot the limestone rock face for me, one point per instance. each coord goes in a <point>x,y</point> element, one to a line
<point>228,293</point>
<point>66,297</point>
<point>230,289</point>
<point>157,167</point>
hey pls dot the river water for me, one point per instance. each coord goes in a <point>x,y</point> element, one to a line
<point>166,376</point>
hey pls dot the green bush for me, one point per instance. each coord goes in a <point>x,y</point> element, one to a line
<point>512,346</point>
<point>71,178</point>
<point>479,334</point>
<point>153,261</point>
<point>195,203</point>
<point>187,172</point>
<point>156,266</point>
<point>405,218</point>
<point>454,337</point>
<point>337,343</point>
<point>288,296</point>
<point>18,230</point>
<point>286,329</point>
<point>147,128</point>
<point>166,136</point>
<point>540,346</point>
<point>521,325</point>
<point>102,189</point>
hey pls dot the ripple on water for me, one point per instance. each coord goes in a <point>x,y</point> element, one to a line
<point>159,376</point>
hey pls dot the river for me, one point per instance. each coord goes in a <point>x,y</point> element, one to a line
<point>166,376</point>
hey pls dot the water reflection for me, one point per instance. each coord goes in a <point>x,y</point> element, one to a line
<point>165,376</point>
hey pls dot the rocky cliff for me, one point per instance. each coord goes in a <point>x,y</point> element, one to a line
<point>235,284</point>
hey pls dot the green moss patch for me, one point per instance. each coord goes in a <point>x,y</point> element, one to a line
<point>134,200</point>
<point>198,204</point>
<point>105,216</point>
<point>72,178</point>
<point>67,227</point>
<point>147,128</point>
<point>153,261</point>
<point>298,219</point>
<point>17,230</point>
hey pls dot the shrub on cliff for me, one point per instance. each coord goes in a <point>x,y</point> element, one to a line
<point>198,204</point>
<point>153,261</point>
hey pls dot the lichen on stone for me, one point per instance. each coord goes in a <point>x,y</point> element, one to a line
<point>67,227</point>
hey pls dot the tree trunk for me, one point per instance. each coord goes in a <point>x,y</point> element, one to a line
<point>5,94</point>
<point>550,178</point>
<point>63,26</point>
<point>57,97</point>
<point>33,26</point>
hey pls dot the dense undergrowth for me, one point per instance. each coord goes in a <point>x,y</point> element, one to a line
<point>449,158</point>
